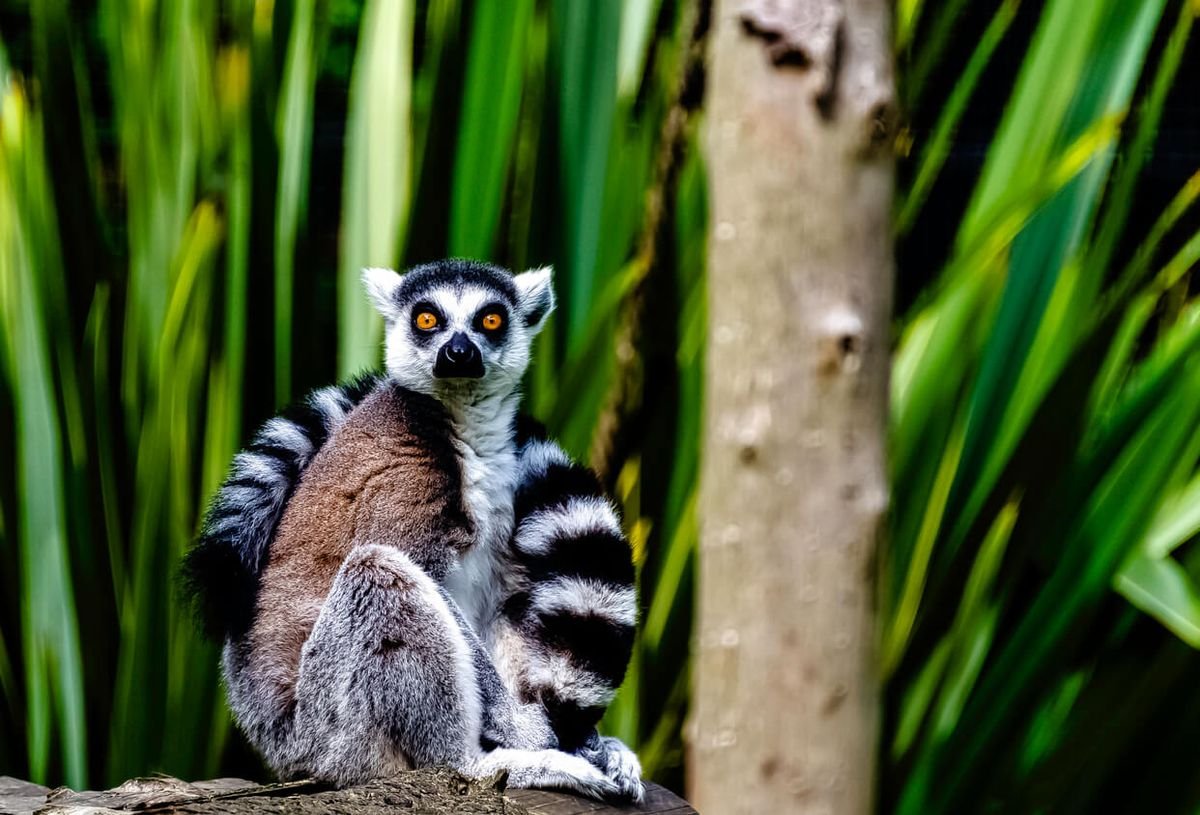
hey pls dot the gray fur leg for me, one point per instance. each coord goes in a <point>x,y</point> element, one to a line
<point>390,679</point>
<point>387,679</point>
<point>506,722</point>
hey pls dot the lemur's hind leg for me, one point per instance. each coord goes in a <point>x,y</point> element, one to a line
<point>388,679</point>
<point>383,683</point>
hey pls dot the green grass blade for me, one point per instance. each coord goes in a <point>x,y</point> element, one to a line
<point>589,36</point>
<point>1111,225</point>
<point>51,650</point>
<point>908,13</point>
<point>523,201</point>
<point>954,664</point>
<point>1161,588</point>
<point>1133,275</point>
<point>1033,120</point>
<point>1112,519</point>
<point>903,616</point>
<point>488,124</point>
<point>1010,384</point>
<point>1177,521</point>
<point>1023,361</point>
<point>96,337</point>
<point>637,26</point>
<point>239,204</point>
<point>934,361</point>
<point>938,147</point>
<point>932,48</point>
<point>439,41</point>
<point>376,186</point>
<point>293,133</point>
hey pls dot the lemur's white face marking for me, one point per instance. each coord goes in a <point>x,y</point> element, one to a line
<point>457,329</point>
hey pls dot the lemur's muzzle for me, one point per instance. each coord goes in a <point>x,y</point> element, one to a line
<point>458,359</point>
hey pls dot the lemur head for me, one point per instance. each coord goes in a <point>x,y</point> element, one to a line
<point>458,329</point>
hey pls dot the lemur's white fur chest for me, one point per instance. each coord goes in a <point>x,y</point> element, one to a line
<point>488,463</point>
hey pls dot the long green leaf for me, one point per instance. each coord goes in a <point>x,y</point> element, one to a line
<point>1010,383</point>
<point>938,146</point>
<point>1161,588</point>
<point>488,124</point>
<point>589,35</point>
<point>375,191</point>
<point>293,132</point>
<point>51,653</point>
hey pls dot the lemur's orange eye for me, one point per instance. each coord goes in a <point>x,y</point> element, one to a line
<point>491,321</point>
<point>426,320</point>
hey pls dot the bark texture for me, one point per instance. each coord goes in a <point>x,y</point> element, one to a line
<point>430,792</point>
<point>800,115</point>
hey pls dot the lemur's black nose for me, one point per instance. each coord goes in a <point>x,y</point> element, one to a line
<point>459,358</point>
<point>460,348</point>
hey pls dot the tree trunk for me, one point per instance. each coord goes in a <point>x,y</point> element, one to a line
<point>430,791</point>
<point>800,111</point>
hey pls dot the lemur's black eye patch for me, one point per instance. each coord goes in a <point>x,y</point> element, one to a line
<point>426,318</point>
<point>492,321</point>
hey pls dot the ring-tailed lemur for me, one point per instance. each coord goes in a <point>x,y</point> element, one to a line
<point>376,555</point>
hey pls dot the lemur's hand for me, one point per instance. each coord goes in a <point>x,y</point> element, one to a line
<point>618,762</point>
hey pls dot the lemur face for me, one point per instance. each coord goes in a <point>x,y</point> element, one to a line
<point>456,328</point>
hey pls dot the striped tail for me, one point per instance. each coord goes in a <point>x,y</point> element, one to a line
<point>575,606</point>
<point>222,571</point>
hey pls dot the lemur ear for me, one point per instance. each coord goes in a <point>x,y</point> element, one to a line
<point>535,293</point>
<point>381,285</point>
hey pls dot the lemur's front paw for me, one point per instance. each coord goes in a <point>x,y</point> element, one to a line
<point>618,763</point>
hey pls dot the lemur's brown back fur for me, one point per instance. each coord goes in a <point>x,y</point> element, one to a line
<point>389,476</point>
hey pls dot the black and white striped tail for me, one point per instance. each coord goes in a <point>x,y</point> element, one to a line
<point>576,606</point>
<point>222,570</point>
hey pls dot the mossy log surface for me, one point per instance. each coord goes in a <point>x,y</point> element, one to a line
<point>420,791</point>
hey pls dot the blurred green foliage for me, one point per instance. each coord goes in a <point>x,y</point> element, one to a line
<point>1045,430</point>
<point>188,191</point>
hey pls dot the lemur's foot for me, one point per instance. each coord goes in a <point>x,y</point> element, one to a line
<point>546,769</point>
<point>618,763</point>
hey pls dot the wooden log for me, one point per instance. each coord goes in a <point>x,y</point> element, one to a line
<point>420,791</point>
